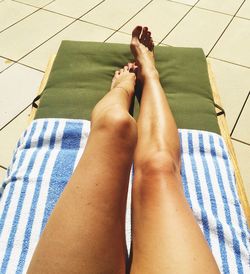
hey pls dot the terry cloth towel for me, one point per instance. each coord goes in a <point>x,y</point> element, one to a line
<point>48,152</point>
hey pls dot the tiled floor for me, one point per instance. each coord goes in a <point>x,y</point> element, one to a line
<point>31,31</point>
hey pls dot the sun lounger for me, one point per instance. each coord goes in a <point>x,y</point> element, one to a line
<point>49,149</point>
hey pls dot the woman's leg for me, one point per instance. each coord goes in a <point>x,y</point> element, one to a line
<point>85,233</point>
<point>166,237</point>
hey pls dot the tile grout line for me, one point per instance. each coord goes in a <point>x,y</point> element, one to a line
<point>232,131</point>
<point>12,119</point>
<point>38,9</point>
<point>191,8</point>
<point>42,8</point>
<point>240,141</point>
<point>17,62</point>
<point>13,63</point>
<point>117,30</point>
<point>30,5</point>
<point>94,24</point>
<point>39,70</point>
<point>225,28</point>
<point>225,61</point>
<point>207,9</point>
<point>75,20</point>
<point>219,12</point>
<point>197,7</point>
<point>189,5</point>
<point>128,20</point>
<point>58,13</point>
<point>243,18</point>
<point>215,11</point>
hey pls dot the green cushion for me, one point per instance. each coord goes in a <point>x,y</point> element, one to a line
<point>82,74</point>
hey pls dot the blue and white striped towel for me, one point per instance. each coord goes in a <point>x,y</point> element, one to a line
<point>46,156</point>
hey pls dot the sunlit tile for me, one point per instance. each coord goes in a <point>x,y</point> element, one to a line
<point>242,129</point>
<point>119,37</point>
<point>11,12</point>
<point>187,2</point>
<point>36,3</point>
<point>197,30</point>
<point>159,16</point>
<point>113,13</point>
<point>74,8</point>
<point>19,86</point>
<point>79,31</point>
<point>225,6</point>
<point>25,36</point>
<point>233,83</point>
<point>234,45</point>
<point>245,10</point>
<point>10,135</point>
<point>4,63</point>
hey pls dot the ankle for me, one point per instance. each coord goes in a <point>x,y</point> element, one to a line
<point>150,74</point>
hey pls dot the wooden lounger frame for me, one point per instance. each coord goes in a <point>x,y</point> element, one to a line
<point>222,125</point>
<point>226,136</point>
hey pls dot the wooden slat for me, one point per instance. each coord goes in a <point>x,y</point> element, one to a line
<point>42,87</point>
<point>226,136</point>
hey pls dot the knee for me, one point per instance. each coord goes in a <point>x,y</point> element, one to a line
<point>157,165</point>
<point>118,123</point>
<point>154,175</point>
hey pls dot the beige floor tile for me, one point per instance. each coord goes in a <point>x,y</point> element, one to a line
<point>4,63</point>
<point>23,37</point>
<point>113,13</point>
<point>79,31</point>
<point>36,3</point>
<point>233,83</point>
<point>187,2</point>
<point>225,6</point>
<point>165,16</point>
<point>11,12</point>
<point>10,135</point>
<point>234,45</point>
<point>2,175</point>
<point>196,30</point>
<point>243,156</point>
<point>18,85</point>
<point>242,129</point>
<point>119,37</point>
<point>74,8</point>
<point>245,10</point>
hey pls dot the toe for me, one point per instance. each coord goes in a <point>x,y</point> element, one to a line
<point>144,34</point>
<point>147,39</point>
<point>117,73</point>
<point>137,32</point>
<point>151,44</point>
<point>130,67</point>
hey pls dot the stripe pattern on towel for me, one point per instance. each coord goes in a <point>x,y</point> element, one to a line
<point>48,152</point>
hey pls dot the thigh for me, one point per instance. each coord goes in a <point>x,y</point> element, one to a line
<point>166,237</point>
<point>85,233</point>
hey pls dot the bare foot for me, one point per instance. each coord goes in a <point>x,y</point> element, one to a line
<point>125,79</point>
<point>142,48</point>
